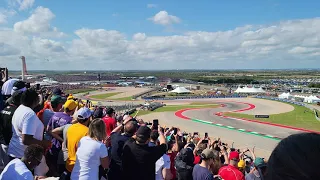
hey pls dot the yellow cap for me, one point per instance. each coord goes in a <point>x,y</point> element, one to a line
<point>70,104</point>
<point>241,164</point>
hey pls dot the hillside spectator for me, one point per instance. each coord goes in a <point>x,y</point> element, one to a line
<point>163,164</point>
<point>295,158</point>
<point>231,171</point>
<point>138,158</point>
<point>91,153</point>
<point>21,168</point>
<point>57,91</point>
<point>172,152</point>
<point>18,86</point>
<point>74,134</point>
<point>184,163</point>
<point>118,140</point>
<point>259,170</point>
<point>197,152</point>
<point>27,129</point>
<point>202,171</point>
<point>6,127</point>
<point>110,120</point>
<point>56,103</point>
<point>57,120</point>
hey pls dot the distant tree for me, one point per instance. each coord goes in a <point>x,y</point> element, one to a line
<point>314,85</point>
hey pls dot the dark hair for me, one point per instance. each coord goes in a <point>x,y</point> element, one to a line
<point>130,128</point>
<point>33,151</point>
<point>109,111</point>
<point>154,135</point>
<point>16,98</point>
<point>29,97</point>
<point>295,157</point>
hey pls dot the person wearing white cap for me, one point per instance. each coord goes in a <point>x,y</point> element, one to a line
<point>74,134</point>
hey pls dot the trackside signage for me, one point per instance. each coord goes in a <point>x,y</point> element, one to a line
<point>261,116</point>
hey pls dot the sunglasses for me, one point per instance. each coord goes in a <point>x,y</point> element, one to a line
<point>38,161</point>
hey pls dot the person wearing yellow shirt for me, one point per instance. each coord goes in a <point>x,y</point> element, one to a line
<point>74,133</point>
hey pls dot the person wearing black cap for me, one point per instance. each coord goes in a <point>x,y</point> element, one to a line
<point>57,91</point>
<point>18,86</point>
<point>139,159</point>
<point>6,126</point>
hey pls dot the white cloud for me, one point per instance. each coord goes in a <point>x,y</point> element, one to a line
<point>21,4</point>
<point>163,18</point>
<point>139,36</point>
<point>25,4</point>
<point>287,44</point>
<point>5,14</point>
<point>152,5</point>
<point>38,23</point>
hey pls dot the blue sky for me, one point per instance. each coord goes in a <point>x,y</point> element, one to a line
<point>80,21</point>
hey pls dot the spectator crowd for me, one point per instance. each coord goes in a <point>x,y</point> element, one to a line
<point>56,136</point>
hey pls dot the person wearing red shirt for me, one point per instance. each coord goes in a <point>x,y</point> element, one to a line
<point>110,120</point>
<point>231,171</point>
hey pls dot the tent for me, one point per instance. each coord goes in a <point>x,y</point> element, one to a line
<point>250,90</point>
<point>180,90</point>
<point>285,96</point>
<point>312,99</point>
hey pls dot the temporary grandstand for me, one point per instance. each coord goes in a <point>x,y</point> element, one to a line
<point>247,89</point>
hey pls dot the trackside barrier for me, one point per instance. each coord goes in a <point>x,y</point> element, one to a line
<point>191,97</point>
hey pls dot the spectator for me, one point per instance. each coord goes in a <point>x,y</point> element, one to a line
<point>138,158</point>
<point>197,152</point>
<point>57,91</point>
<point>295,157</point>
<point>110,120</point>
<point>98,113</point>
<point>91,153</point>
<point>202,171</point>
<point>231,171</point>
<point>184,163</point>
<point>259,171</point>
<point>18,86</point>
<point>6,127</point>
<point>27,129</point>
<point>21,169</point>
<point>163,164</point>
<point>117,143</point>
<point>74,134</point>
<point>172,153</point>
<point>58,119</point>
<point>56,103</point>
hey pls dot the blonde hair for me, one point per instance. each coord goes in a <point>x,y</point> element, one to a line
<point>97,130</point>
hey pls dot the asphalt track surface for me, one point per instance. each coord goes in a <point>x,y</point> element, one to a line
<point>209,115</point>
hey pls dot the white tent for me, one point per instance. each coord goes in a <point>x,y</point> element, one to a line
<point>180,90</point>
<point>285,96</point>
<point>312,99</point>
<point>250,90</point>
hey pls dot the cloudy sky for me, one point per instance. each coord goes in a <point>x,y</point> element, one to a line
<point>129,35</point>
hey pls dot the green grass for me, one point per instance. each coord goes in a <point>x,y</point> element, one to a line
<point>296,118</point>
<point>173,108</point>
<point>77,91</point>
<point>104,96</point>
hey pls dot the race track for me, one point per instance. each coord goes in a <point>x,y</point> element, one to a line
<point>209,115</point>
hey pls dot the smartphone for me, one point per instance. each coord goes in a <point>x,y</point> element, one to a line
<point>205,141</point>
<point>38,87</point>
<point>175,131</point>
<point>206,135</point>
<point>155,124</point>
